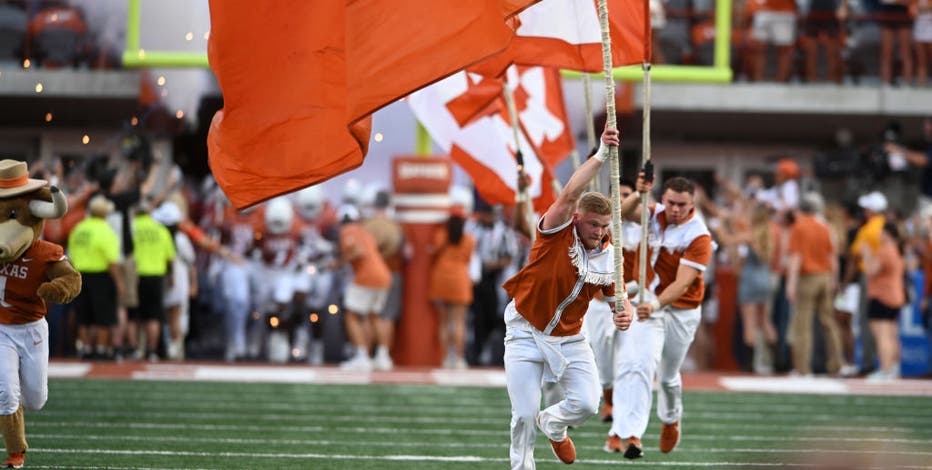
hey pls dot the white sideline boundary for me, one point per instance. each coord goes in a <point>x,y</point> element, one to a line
<point>480,377</point>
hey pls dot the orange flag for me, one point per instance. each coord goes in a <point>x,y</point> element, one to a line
<point>466,115</point>
<point>566,34</point>
<point>300,79</point>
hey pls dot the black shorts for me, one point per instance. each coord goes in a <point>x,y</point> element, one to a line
<point>878,311</point>
<point>151,297</point>
<point>97,302</point>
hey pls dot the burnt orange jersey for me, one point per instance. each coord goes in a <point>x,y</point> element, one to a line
<point>552,292</point>
<point>20,279</point>
<point>688,243</point>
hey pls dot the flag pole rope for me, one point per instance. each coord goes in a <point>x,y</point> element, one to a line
<point>648,170</point>
<point>611,123</point>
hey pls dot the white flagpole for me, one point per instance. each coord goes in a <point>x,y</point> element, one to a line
<point>648,170</point>
<point>620,290</point>
<point>522,195</point>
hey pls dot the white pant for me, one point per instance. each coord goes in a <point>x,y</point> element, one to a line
<point>524,370</point>
<point>600,330</point>
<point>654,346</point>
<point>24,366</point>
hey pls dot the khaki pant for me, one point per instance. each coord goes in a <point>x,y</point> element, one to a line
<point>130,283</point>
<point>814,297</point>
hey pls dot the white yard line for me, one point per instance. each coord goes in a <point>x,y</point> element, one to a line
<point>402,458</point>
<point>504,445</point>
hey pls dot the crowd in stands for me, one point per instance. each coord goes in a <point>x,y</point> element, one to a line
<point>56,34</point>
<point>780,40</point>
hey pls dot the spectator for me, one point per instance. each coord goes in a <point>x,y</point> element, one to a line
<point>886,296</point>
<point>823,26</point>
<point>667,323</point>
<point>895,23</point>
<point>843,227</point>
<point>13,26</point>
<point>866,240</point>
<point>451,289</point>
<point>810,287</point>
<point>154,251</point>
<point>496,247</point>
<point>389,238</point>
<point>95,251</point>
<point>922,35</point>
<point>365,296</point>
<point>755,289</point>
<point>57,36</point>
<point>658,20</point>
<point>773,22</point>
<point>184,279</point>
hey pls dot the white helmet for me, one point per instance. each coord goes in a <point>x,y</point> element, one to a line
<point>279,215</point>
<point>310,201</point>
<point>352,192</point>
<point>461,196</point>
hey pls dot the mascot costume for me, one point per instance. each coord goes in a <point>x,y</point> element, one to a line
<point>32,272</point>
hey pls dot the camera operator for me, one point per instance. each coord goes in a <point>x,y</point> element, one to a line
<point>917,159</point>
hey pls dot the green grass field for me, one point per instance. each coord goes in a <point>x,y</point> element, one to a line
<point>197,425</point>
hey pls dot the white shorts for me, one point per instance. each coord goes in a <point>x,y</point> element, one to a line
<point>847,300</point>
<point>774,27</point>
<point>922,28</point>
<point>364,300</point>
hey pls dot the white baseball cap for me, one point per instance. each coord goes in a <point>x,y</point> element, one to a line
<point>874,201</point>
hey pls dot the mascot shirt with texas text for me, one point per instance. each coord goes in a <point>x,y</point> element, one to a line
<point>21,278</point>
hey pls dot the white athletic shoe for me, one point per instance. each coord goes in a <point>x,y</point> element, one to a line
<point>383,361</point>
<point>359,363</point>
<point>848,370</point>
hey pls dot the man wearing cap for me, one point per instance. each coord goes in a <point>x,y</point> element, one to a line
<point>867,237</point>
<point>366,295</point>
<point>94,249</point>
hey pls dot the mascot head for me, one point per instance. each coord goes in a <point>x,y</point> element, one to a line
<point>25,203</point>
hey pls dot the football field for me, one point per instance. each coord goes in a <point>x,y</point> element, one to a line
<point>95,423</point>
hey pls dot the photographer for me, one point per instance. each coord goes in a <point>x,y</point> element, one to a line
<point>917,159</point>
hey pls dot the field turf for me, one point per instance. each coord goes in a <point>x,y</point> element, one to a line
<point>123,424</point>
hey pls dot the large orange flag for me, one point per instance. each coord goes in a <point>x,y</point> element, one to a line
<point>566,34</point>
<point>300,79</point>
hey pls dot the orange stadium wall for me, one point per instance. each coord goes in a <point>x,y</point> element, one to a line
<point>421,194</point>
